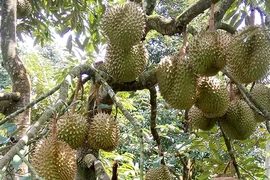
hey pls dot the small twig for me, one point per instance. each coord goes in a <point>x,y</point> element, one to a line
<point>253,177</point>
<point>114,171</point>
<point>230,151</point>
<point>33,171</point>
<point>141,157</point>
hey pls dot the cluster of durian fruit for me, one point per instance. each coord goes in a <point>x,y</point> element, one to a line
<point>126,57</point>
<point>54,158</point>
<point>189,83</point>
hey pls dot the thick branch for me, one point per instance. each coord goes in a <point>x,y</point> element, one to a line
<point>13,96</point>
<point>146,80</point>
<point>172,26</point>
<point>46,115</point>
<point>225,27</point>
<point>91,160</point>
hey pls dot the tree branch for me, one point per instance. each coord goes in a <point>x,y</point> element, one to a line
<point>91,160</point>
<point>115,99</point>
<point>153,102</point>
<point>46,115</point>
<point>244,91</point>
<point>11,116</point>
<point>222,8</point>
<point>146,80</point>
<point>172,26</point>
<point>13,96</point>
<point>231,153</point>
<point>150,6</point>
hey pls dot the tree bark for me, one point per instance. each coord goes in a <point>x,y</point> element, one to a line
<point>15,67</point>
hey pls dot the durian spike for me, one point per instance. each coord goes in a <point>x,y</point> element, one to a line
<point>182,51</point>
<point>212,19</point>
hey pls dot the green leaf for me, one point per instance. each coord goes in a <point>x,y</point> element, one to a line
<point>26,178</point>
<point>16,162</point>
<point>230,14</point>
<point>3,139</point>
<point>157,162</point>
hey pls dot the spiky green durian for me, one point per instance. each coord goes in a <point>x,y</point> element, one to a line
<point>72,129</point>
<point>104,132</point>
<point>24,8</point>
<point>262,95</point>
<point>161,173</point>
<point>239,122</point>
<point>124,24</point>
<point>54,160</point>
<point>212,97</point>
<point>198,120</point>
<point>126,65</point>
<point>249,56</point>
<point>207,52</point>
<point>177,82</point>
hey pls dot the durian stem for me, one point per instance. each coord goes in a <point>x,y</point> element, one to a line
<point>78,87</point>
<point>230,151</point>
<point>183,48</point>
<point>252,16</point>
<point>212,19</point>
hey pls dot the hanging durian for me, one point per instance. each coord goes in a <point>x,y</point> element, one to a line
<point>124,24</point>
<point>54,160</point>
<point>72,129</point>
<point>104,132</point>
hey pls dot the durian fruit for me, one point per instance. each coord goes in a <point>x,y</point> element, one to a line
<point>262,94</point>
<point>212,97</point>
<point>198,120</point>
<point>126,65</point>
<point>177,81</point>
<point>24,8</point>
<point>104,132</point>
<point>54,160</point>
<point>249,56</point>
<point>161,173</point>
<point>72,129</point>
<point>207,52</point>
<point>239,122</point>
<point>124,24</point>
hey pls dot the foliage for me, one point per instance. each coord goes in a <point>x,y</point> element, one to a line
<point>78,22</point>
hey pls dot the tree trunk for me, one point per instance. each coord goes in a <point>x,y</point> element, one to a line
<point>15,68</point>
